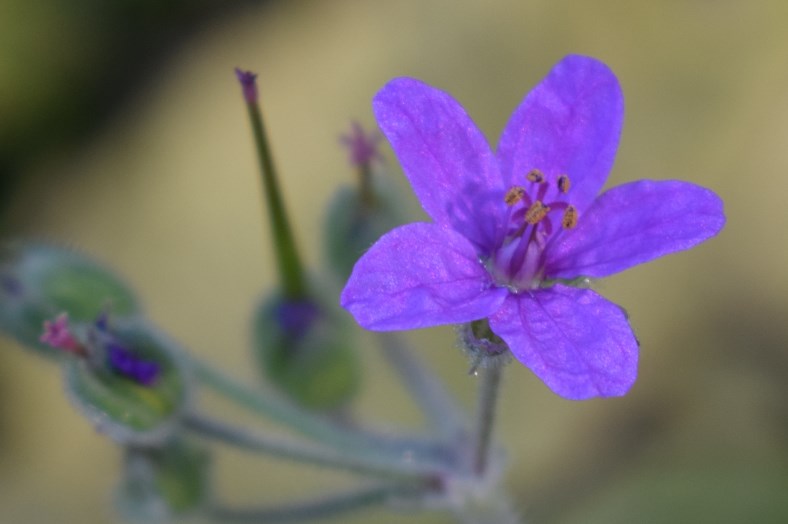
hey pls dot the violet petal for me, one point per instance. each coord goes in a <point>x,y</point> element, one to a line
<point>568,124</point>
<point>446,158</point>
<point>420,275</point>
<point>634,223</point>
<point>576,341</point>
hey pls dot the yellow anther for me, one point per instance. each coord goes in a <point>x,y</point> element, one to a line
<point>564,183</point>
<point>536,212</point>
<point>535,176</point>
<point>570,218</point>
<point>514,195</point>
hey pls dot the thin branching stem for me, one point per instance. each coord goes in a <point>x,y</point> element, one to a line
<point>436,403</point>
<point>291,449</point>
<point>317,427</point>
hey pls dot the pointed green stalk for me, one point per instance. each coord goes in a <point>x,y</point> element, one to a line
<point>288,262</point>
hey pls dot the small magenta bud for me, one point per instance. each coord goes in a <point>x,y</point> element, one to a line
<point>248,84</point>
<point>57,334</point>
<point>362,147</point>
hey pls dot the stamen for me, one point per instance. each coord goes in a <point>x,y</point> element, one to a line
<point>570,217</point>
<point>535,176</point>
<point>564,183</point>
<point>514,195</point>
<point>536,213</point>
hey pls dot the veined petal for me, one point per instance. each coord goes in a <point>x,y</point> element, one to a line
<point>576,341</point>
<point>634,223</point>
<point>569,124</point>
<point>420,275</point>
<point>446,158</point>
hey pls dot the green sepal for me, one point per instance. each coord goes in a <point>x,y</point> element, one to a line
<point>161,484</point>
<point>353,224</point>
<point>128,412</point>
<point>304,350</point>
<point>40,281</point>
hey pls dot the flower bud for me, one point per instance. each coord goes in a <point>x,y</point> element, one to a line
<point>130,384</point>
<point>358,216</point>
<point>160,484</point>
<point>303,350</point>
<point>39,281</point>
<point>353,224</point>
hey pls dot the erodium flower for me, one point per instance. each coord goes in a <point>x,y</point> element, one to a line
<point>511,228</point>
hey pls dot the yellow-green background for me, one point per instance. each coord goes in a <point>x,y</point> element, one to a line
<point>164,188</point>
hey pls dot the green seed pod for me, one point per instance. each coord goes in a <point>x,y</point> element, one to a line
<point>160,484</point>
<point>39,281</point>
<point>131,385</point>
<point>304,350</point>
<point>355,221</point>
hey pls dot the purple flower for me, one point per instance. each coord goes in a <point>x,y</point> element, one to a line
<point>511,228</point>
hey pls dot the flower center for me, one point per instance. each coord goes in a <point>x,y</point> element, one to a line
<point>538,212</point>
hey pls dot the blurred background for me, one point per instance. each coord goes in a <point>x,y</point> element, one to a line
<point>123,133</point>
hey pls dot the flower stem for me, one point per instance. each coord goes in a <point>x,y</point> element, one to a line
<point>312,425</point>
<point>288,448</point>
<point>321,508</point>
<point>435,402</point>
<point>490,380</point>
<point>290,268</point>
<point>366,193</point>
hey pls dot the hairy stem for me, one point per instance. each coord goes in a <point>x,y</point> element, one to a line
<point>316,427</point>
<point>290,449</point>
<point>490,380</point>
<point>437,405</point>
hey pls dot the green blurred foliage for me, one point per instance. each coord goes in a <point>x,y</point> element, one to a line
<point>43,280</point>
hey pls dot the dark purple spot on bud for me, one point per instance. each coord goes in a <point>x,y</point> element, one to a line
<point>296,317</point>
<point>124,362</point>
<point>146,372</point>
